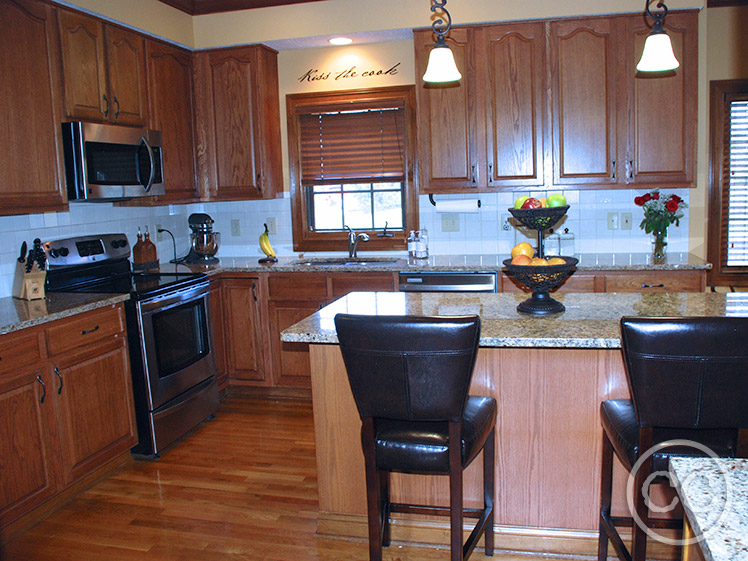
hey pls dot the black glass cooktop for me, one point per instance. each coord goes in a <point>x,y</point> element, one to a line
<point>140,285</point>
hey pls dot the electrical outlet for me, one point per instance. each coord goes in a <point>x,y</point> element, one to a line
<point>505,223</point>
<point>159,235</point>
<point>236,227</point>
<point>450,222</point>
<point>626,221</point>
<point>272,228</point>
<point>612,221</point>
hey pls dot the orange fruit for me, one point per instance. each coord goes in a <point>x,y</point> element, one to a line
<point>538,262</point>
<point>556,261</point>
<point>522,248</point>
<point>543,202</point>
<point>521,259</point>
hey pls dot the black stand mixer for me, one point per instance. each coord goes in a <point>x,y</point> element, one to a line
<point>203,240</point>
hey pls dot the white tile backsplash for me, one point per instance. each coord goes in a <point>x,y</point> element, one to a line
<point>479,233</point>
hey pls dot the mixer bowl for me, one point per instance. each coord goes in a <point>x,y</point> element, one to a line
<point>205,244</point>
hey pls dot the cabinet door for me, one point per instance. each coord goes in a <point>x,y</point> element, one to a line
<point>241,314</point>
<point>30,109</point>
<point>171,110</point>
<point>125,57</point>
<point>290,360</point>
<point>583,82</point>
<point>660,116</point>
<point>451,139</point>
<point>95,412</point>
<point>516,101</point>
<point>343,283</point>
<point>84,67</point>
<point>26,446</point>
<point>226,89</point>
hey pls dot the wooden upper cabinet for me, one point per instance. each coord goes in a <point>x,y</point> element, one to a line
<point>30,109</point>
<point>585,98</point>
<point>516,103</point>
<point>238,123</point>
<point>661,114</point>
<point>451,150</point>
<point>171,110</point>
<point>103,69</point>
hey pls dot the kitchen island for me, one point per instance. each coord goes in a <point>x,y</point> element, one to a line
<point>548,374</point>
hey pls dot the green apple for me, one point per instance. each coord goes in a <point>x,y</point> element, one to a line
<point>519,202</point>
<point>555,200</point>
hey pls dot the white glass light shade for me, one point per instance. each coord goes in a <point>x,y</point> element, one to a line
<point>441,67</point>
<point>657,55</point>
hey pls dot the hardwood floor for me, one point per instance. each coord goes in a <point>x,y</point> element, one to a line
<point>240,487</point>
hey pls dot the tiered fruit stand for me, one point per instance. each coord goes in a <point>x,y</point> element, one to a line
<point>540,278</point>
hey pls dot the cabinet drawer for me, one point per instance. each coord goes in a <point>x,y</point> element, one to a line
<point>297,286</point>
<point>654,281</point>
<point>19,349</point>
<point>84,329</point>
<point>361,282</point>
<point>577,282</point>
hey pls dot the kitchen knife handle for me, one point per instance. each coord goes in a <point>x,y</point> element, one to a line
<point>59,375</point>
<point>44,388</point>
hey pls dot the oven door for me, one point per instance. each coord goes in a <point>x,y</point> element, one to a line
<point>176,343</point>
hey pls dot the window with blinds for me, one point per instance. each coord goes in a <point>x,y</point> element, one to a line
<point>735,182</point>
<point>353,168</point>
<point>728,183</point>
<point>352,161</point>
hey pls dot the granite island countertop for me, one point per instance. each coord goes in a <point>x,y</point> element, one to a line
<point>591,320</point>
<point>395,262</point>
<point>714,493</point>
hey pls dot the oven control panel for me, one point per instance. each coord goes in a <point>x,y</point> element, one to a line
<point>84,250</point>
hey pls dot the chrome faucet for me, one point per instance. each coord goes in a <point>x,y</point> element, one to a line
<point>353,240</point>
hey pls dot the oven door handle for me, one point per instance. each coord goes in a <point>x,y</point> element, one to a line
<point>172,299</point>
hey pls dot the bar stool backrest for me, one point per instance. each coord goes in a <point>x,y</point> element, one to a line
<point>689,372</point>
<point>409,368</point>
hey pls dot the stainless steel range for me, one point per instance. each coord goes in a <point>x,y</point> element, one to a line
<point>168,327</point>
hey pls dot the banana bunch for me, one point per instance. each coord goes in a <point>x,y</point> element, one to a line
<point>265,246</point>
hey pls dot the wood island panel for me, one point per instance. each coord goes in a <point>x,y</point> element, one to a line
<point>548,449</point>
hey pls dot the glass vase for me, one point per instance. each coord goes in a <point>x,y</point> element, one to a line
<point>659,252</point>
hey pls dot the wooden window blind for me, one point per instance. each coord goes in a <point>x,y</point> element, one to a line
<point>357,145</point>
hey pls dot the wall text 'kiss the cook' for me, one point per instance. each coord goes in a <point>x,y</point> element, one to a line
<point>314,75</point>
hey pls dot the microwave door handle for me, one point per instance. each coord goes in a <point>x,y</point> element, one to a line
<point>152,162</point>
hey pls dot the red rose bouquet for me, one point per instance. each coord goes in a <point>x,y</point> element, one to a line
<point>660,211</point>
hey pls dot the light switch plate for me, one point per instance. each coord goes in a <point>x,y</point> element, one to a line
<point>272,227</point>
<point>626,221</point>
<point>236,227</point>
<point>450,222</point>
<point>612,221</point>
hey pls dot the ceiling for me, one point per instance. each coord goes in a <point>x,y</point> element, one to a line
<point>201,7</point>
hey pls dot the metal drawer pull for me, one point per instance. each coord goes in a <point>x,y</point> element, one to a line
<point>472,174</point>
<point>653,285</point>
<point>116,113</point>
<point>87,331</point>
<point>106,112</point>
<point>613,171</point>
<point>44,388</point>
<point>57,371</point>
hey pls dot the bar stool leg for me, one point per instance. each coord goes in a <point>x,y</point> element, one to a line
<point>455,490</point>
<point>489,465</point>
<point>606,488</point>
<point>373,499</point>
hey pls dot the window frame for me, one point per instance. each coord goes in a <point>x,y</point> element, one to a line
<point>305,239</point>
<point>720,93</point>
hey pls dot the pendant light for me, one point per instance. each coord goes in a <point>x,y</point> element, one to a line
<point>657,55</point>
<point>441,66</point>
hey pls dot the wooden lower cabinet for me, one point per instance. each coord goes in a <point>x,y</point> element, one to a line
<point>621,281</point>
<point>63,415</point>
<point>243,325</point>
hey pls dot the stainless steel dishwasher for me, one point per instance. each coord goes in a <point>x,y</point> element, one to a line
<point>447,281</point>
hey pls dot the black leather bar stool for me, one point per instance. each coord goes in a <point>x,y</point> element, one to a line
<point>410,377</point>
<point>688,379</point>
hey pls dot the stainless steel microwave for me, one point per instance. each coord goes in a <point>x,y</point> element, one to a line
<point>111,162</point>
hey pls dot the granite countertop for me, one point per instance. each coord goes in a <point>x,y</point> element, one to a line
<point>395,262</point>
<point>591,320</point>
<point>714,493</point>
<point>18,314</point>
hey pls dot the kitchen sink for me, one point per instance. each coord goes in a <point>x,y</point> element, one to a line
<point>344,260</point>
